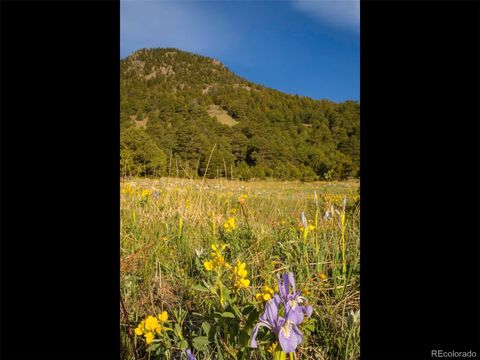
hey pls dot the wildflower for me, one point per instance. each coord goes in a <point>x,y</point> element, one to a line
<point>267,294</point>
<point>146,193</point>
<point>285,329</point>
<point>155,195</point>
<point>242,283</point>
<point>217,260</point>
<point>354,317</point>
<point>294,303</point>
<point>163,317</point>
<point>230,225</point>
<point>241,274</point>
<point>189,354</point>
<point>218,250</point>
<point>208,265</point>
<point>199,252</point>
<point>140,328</point>
<point>240,269</point>
<point>149,337</point>
<point>304,221</point>
<point>322,276</point>
<point>151,323</point>
<point>272,347</point>
<point>329,214</point>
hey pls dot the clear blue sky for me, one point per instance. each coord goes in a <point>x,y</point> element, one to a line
<point>305,47</point>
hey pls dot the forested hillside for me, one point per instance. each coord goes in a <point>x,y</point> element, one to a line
<point>176,107</point>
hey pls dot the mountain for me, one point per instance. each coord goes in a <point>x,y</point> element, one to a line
<point>179,110</point>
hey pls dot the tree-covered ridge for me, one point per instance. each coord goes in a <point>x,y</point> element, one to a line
<point>166,95</point>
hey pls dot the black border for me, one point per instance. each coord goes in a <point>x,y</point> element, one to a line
<point>60,189</point>
<point>419,178</point>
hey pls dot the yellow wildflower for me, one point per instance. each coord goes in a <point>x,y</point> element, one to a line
<point>267,289</point>
<point>219,261</point>
<point>322,276</point>
<point>218,250</point>
<point>163,317</point>
<point>149,337</point>
<point>267,294</point>
<point>140,328</point>
<point>230,225</point>
<point>208,265</point>
<point>240,269</point>
<point>151,323</point>
<point>272,347</point>
<point>242,283</point>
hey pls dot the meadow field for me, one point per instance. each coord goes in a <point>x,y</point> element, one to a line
<point>199,266</point>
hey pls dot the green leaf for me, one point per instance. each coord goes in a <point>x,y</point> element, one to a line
<point>199,287</point>
<point>153,347</point>
<point>229,315</point>
<point>309,327</point>
<point>206,328</point>
<point>178,331</point>
<point>183,344</point>
<point>200,343</point>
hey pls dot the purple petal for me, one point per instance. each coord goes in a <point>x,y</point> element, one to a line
<point>190,356</point>
<point>295,316</point>
<point>285,287</point>
<point>298,333</point>
<point>289,339</point>
<point>253,342</point>
<point>292,281</point>
<point>271,311</point>
<point>308,310</point>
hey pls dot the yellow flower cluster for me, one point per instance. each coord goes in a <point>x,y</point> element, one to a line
<point>305,230</point>
<point>229,225</point>
<point>334,199</point>
<point>266,295</point>
<point>241,275</point>
<point>217,261</point>
<point>128,189</point>
<point>151,326</point>
<point>146,193</point>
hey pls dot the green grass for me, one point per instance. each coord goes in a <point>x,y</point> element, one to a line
<point>166,238</point>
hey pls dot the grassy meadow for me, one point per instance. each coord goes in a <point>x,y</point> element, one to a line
<point>201,258</point>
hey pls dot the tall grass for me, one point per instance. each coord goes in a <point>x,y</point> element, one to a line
<point>168,226</point>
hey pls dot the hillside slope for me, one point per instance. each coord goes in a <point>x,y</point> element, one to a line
<point>184,104</point>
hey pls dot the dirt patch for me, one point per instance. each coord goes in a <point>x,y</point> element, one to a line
<point>221,115</point>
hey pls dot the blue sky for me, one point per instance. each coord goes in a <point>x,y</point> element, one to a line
<point>305,47</point>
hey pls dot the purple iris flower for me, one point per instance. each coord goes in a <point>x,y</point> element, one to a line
<point>285,329</point>
<point>294,303</point>
<point>189,354</point>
